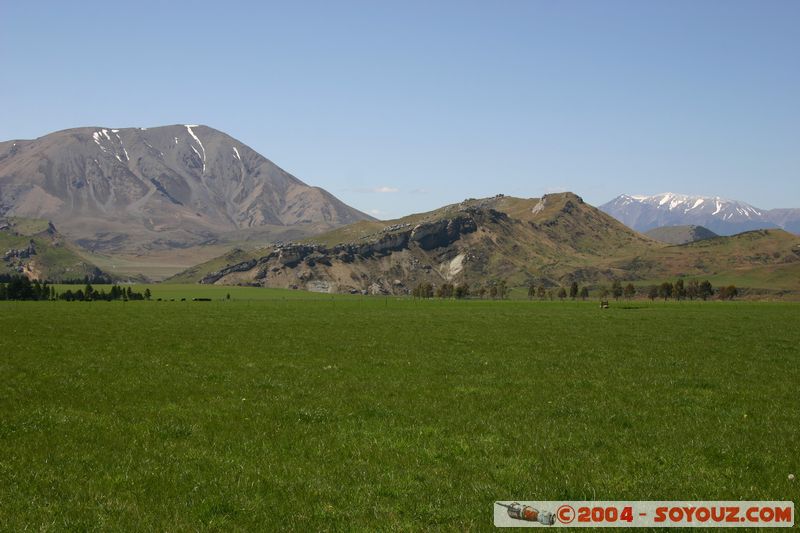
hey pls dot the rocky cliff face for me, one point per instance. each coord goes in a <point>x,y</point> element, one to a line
<point>162,187</point>
<point>320,264</point>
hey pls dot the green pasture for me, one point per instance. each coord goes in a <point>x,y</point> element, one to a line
<point>370,414</point>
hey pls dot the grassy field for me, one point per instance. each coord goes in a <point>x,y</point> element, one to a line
<point>380,414</point>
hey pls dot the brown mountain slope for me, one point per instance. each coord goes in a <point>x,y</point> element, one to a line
<point>136,189</point>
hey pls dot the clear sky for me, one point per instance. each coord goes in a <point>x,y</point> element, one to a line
<point>397,107</point>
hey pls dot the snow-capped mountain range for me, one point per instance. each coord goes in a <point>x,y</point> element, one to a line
<point>725,217</point>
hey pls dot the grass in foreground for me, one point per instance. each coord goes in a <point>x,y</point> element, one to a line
<point>384,414</point>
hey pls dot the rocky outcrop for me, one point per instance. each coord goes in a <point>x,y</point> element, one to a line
<point>239,267</point>
<point>442,232</point>
<point>307,258</point>
<point>390,242</point>
<point>21,253</point>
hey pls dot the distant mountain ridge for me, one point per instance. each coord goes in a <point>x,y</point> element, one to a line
<point>724,217</point>
<point>156,188</point>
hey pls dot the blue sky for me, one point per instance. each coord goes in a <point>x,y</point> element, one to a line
<point>397,107</point>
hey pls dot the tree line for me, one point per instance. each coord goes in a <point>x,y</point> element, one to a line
<point>19,287</point>
<point>498,289</point>
<point>680,290</point>
<point>693,290</point>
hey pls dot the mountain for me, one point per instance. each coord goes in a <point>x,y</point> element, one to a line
<point>142,189</point>
<point>36,249</point>
<point>680,234</point>
<point>788,219</point>
<point>724,217</point>
<point>550,241</point>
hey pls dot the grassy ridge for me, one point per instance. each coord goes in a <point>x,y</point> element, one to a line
<point>52,261</point>
<point>385,414</point>
<point>680,234</point>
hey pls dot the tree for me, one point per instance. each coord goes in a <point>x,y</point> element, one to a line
<point>573,290</point>
<point>706,290</point>
<point>584,292</point>
<point>461,291</point>
<point>616,289</point>
<point>562,293</point>
<point>652,292</point>
<point>531,291</point>
<point>679,291</point>
<point>693,289</point>
<point>728,293</point>
<point>541,293</point>
<point>423,290</point>
<point>19,288</point>
<point>88,290</point>
<point>502,289</point>
<point>733,292</point>
<point>665,290</point>
<point>148,294</point>
<point>629,291</point>
<point>445,290</point>
<point>498,289</point>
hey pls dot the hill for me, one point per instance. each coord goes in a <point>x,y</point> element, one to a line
<point>36,249</point>
<point>140,190</point>
<point>762,259</point>
<point>550,241</point>
<point>680,234</point>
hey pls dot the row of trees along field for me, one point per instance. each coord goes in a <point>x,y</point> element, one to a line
<point>498,290</point>
<point>494,289</point>
<point>543,292</point>
<point>691,290</point>
<point>679,290</point>
<point>21,288</point>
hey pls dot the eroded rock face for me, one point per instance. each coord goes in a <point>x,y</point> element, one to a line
<point>442,232</point>
<point>238,267</point>
<point>291,254</point>
<point>390,242</point>
<point>426,236</point>
<point>22,253</point>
